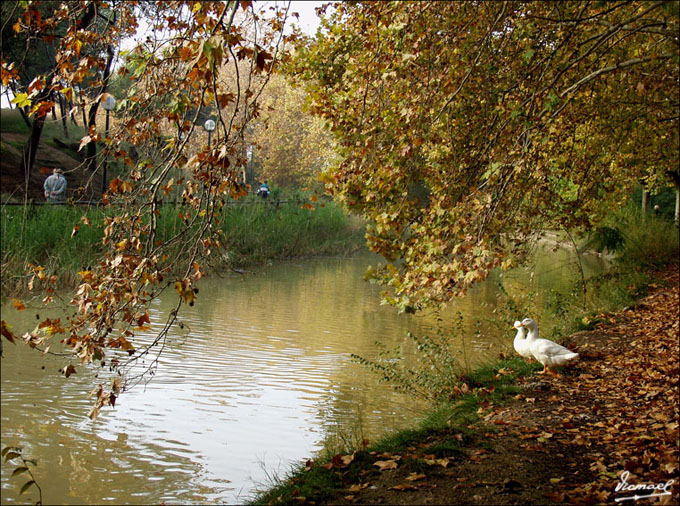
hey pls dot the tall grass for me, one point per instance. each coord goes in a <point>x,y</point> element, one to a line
<point>649,241</point>
<point>256,231</point>
<point>42,236</point>
<point>253,232</point>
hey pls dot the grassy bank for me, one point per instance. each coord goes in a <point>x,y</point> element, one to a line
<point>454,426</point>
<point>443,435</point>
<point>254,232</point>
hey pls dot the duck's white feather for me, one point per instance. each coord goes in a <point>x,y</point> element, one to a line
<point>547,352</point>
<point>520,343</point>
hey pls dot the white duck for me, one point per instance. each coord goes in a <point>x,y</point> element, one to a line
<point>520,343</point>
<point>547,352</point>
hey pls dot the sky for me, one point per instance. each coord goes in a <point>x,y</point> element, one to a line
<point>308,22</point>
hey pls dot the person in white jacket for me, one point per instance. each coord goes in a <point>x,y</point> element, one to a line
<point>55,187</point>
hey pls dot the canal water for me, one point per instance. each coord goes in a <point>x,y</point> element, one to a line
<point>259,379</point>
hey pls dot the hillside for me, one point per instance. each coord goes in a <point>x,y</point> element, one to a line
<point>82,184</point>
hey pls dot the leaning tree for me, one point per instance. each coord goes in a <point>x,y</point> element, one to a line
<point>466,127</point>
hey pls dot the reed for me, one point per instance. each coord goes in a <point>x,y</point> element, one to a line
<point>258,231</point>
<point>253,231</point>
<point>42,235</point>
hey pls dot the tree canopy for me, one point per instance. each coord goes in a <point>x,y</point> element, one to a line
<point>292,147</point>
<point>466,127</point>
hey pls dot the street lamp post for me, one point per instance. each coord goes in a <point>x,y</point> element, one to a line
<point>108,105</point>
<point>209,125</point>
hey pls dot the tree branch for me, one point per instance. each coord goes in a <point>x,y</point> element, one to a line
<point>611,68</point>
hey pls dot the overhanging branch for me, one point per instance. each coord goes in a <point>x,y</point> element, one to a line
<point>611,68</point>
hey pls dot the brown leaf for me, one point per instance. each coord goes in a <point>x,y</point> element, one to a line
<point>358,487</point>
<point>404,487</point>
<point>8,334</point>
<point>18,304</point>
<point>385,465</point>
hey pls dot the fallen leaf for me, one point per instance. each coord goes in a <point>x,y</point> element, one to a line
<point>403,487</point>
<point>385,465</point>
<point>358,487</point>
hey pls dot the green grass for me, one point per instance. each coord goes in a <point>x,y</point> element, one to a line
<point>41,235</point>
<point>448,429</point>
<point>254,232</point>
<point>13,122</point>
<point>650,242</point>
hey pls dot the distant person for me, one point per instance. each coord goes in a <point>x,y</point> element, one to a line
<point>55,187</point>
<point>263,191</point>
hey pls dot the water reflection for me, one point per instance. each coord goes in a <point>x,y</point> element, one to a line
<point>260,377</point>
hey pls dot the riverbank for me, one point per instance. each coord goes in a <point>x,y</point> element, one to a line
<point>520,438</point>
<point>254,232</point>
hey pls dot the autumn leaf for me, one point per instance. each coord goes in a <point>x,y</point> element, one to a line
<point>404,487</point>
<point>385,465</point>
<point>18,304</point>
<point>84,142</point>
<point>6,332</point>
<point>415,477</point>
<point>186,293</point>
<point>21,100</point>
<point>358,487</point>
<point>115,184</point>
<point>51,327</point>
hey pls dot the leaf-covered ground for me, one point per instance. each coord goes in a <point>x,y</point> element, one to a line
<point>565,439</point>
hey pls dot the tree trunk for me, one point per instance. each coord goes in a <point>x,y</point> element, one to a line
<point>73,116</point>
<point>25,117</point>
<point>677,206</point>
<point>62,109</point>
<point>31,149</point>
<point>645,202</point>
<point>92,120</point>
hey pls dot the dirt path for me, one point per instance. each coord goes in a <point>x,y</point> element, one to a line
<point>569,438</point>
